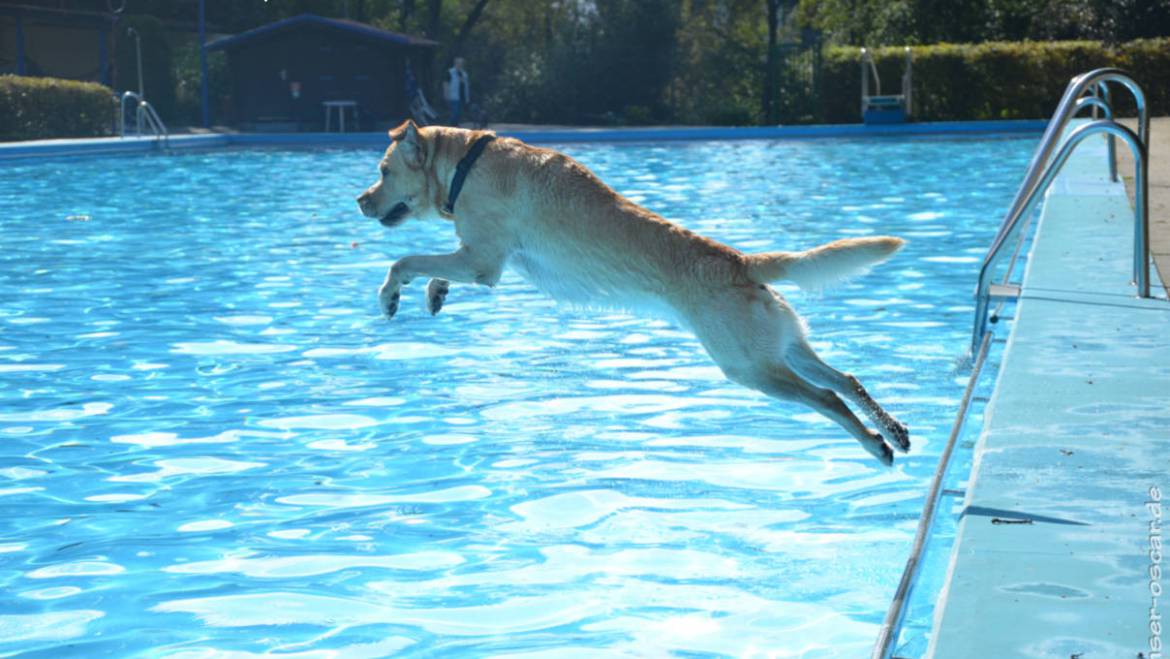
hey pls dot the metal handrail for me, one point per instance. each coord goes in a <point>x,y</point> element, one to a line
<point>1097,103</point>
<point>144,114</point>
<point>1101,91</point>
<point>126,96</point>
<point>907,78</point>
<point>888,633</point>
<point>866,58</point>
<point>1041,167</point>
<point>1101,103</point>
<point>1141,213</point>
<point>1064,112</point>
<point>869,67</point>
<point>155,121</point>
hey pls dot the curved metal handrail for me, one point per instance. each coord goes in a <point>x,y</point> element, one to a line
<point>867,58</point>
<point>907,82</point>
<point>1097,103</point>
<point>155,121</point>
<point>1101,103</point>
<point>1141,212</point>
<point>1070,104</point>
<point>144,113</point>
<point>1064,112</point>
<point>869,67</point>
<point>126,96</point>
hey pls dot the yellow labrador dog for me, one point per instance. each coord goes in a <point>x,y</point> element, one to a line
<point>575,238</point>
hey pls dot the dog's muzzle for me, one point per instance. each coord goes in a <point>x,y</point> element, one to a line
<point>396,215</point>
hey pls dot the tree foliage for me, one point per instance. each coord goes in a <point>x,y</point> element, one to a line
<point>912,22</point>
<point>683,61</point>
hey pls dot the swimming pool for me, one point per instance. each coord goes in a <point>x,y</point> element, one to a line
<point>210,440</point>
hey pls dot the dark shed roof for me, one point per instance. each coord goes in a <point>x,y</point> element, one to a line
<point>339,24</point>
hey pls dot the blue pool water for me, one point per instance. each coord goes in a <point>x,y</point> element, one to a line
<point>210,442</point>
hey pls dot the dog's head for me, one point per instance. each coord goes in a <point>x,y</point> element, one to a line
<point>401,189</point>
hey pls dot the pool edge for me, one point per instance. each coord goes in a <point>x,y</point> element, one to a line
<point>124,145</point>
<point>1061,571</point>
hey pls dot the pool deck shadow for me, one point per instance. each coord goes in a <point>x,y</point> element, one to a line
<point>1075,441</point>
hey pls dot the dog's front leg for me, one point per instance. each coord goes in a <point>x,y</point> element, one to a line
<point>461,266</point>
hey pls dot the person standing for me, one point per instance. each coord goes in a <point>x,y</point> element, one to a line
<point>457,90</point>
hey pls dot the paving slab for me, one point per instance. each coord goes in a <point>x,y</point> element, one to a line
<point>1159,171</point>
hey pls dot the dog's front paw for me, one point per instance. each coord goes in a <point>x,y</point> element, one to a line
<point>436,294</point>
<point>388,297</point>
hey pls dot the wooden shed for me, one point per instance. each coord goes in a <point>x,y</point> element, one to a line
<point>284,72</point>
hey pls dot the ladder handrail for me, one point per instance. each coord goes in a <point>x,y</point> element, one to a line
<point>1141,213</point>
<point>1101,92</point>
<point>869,67</point>
<point>866,58</point>
<point>1100,103</point>
<point>155,121</point>
<point>144,113</point>
<point>907,79</point>
<point>1064,112</point>
<point>1070,104</point>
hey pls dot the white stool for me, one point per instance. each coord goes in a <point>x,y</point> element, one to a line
<point>341,107</point>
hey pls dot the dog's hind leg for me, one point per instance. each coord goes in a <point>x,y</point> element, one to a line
<point>789,386</point>
<point>744,330</point>
<point>802,359</point>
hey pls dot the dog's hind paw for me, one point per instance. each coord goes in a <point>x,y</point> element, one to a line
<point>437,294</point>
<point>899,435</point>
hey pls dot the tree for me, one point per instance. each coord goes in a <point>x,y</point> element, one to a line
<point>468,23</point>
<point>776,11</point>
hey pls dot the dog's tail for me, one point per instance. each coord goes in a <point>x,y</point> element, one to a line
<point>824,265</point>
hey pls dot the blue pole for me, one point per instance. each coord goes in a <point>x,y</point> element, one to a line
<point>19,45</point>
<point>203,67</point>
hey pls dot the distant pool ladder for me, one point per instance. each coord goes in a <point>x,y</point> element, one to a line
<point>890,108</point>
<point>1039,176</point>
<point>144,115</point>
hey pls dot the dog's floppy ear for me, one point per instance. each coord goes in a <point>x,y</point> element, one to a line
<point>408,141</point>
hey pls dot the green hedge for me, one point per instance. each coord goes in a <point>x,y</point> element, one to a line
<point>1018,80</point>
<point>41,108</point>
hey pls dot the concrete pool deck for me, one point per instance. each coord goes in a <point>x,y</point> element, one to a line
<point>1159,189</point>
<point>1052,555</point>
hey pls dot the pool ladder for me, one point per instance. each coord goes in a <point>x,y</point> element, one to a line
<point>1038,177</point>
<point>145,116</point>
<point>1044,168</point>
